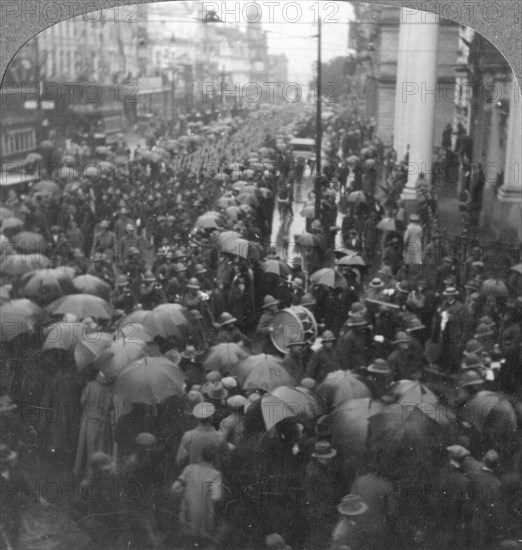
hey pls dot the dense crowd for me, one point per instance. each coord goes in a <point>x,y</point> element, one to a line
<point>354,386</point>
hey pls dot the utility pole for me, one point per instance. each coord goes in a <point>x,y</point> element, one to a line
<point>318,132</point>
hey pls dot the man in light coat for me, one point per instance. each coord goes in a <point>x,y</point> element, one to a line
<point>413,245</point>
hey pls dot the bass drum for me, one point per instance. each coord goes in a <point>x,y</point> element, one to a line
<point>293,324</point>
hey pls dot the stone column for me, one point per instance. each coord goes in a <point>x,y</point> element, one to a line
<point>420,94</point>
<point>510,194</point>
<point>400,128</point>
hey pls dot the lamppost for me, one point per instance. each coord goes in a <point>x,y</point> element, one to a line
<point>318,182</point>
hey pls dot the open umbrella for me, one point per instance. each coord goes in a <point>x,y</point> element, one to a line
<point>412,392</point>
<point>356,197</point>
<point>149,380</point>
<point>278,267</point>
<point>242,248</point>
<point>308,239</point>
<point>12,223</point>
<point>172,316</point>
<point>44,286</point>
<point>68,174</point>
<point>31,158</point>
<point>308,210</point>
<point>150,322</point>
<point>516,269</point>
<point>82,305</point>
<point>242,369</point>
<point>90,284</point>
<point>19,317</point>
<point>66,270</point>
<point>233,213</point>
<point>30,242</point>
<point>352,159</point>
<point>267,375</point>
<point>352,261</point>
<point>329,277</point>
<point>387,224</point>
<point>288,402</point>
<point>46,144</point>
<point>46,186</point>
<point>133,332</point>
<point>349,423</point>
<point>490,412</point>
<point>224,357</point>
<point>115,357</point>
<point>248,199</point>
<point>66,335</point>
<point>225,236</point>
<point>225,202</point>
<point>207,222</point>
<point>87,349</point>
<point>491,287</point>
<point>341,386</point>
<point>19,264</point>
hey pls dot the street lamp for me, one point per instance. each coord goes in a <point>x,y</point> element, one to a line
<point>318,123</point>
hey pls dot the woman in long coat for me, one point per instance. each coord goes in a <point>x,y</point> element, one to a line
<point>413,242</point>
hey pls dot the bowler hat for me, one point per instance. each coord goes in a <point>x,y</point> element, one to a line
<point>472,361</point>
<point>328,336</point>
<point>203,410</point>
<point>473,347</point>
<point>402,338</point>
<point>216,391</point>
<point>146,440</point>
<point>451,291</point>
<point>357,309</point>
<point>379,366</point>
<point>356,321</point>
<point>308,300</point>
<point>376,282</point>
<point>101,461</point>
<point>269,301</point>
<point>226,319</point>
<point>385,270</point>
<point>237,402</point>
<point>470,378</point>
<point>189,352</point>
<point>352,505</point>
<point>323,449</point>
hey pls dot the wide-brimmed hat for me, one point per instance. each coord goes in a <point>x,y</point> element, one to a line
<point>146,440</point>
<point>104,223</point>
<point>307,300</point>
<point>352,505</point>
<point>213,376</point>
<point>192,399</point>
<point>196,315</point>
<point>473,347</point>
<point>298,283</point>
<point>402,287</point>
<point>472,361</point>
<point>193,283</point>
<point>180,267</point>
<point>448,259</point>
<point>402,338</point>
<point>308,384</point>
<point>189,352</point>
<point>386,271</point>
<point>237,402</point>
<point>328,336</point>
<point>323,449</point>
<point>199,269</point>
<point>478,264</point>
<point>470,378</point>
<point>376,282</point>
<point>101,461</point>
<point>149,277</point>
<point>216,391</point>
<point>379,366</point>
<point>473,285</point>
<point>226,319</point>
<point>229,382</point>
<point>203,410</point>
<point>490,459</point>
<point>269,300</point>
<point>173,355</point>
<point>458,452</point>
<point>414,218</point>
<point>450,291</point>
<point>6,453</point>
<point>357,308</point>
<point>356,321</point>
<point>413,324</point>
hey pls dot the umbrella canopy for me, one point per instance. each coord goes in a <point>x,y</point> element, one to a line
<point>30,242</point>
<point>44,286</point>
<point>46,186</point>
<point>19,264</point>
<point>352,159</point>
<point>31,158</point>
<point>65,335</point>
<point>288,402</point>
<point>225,357</point>
<point>89,284</point>
<point>12,222</point>
<point>225,202</point>
<point>66,270</point>
<point>248,199</point>
<point>341,386</point>
<point>225,236</point>
<point>82,305</point>
<point>207,222</point>
<point>88,348</point>
<point>278,267</point>
<point>91,171</point>
<point>242,248</point>
<point>267,375</point>
<point>172,316</point>
<point>491,412</point>
<point>412,392</point>
<point>46,144</point>
<point>308,211</point>
<point>329,277</point>
<point>349,423</point>
<point>516,269</point>
<point>356,197</point>
<point>233,213</point>
<point>308,239</point>
<point>387,224</point>
<point>149,380</point>
<point>133,332</point>
<point>352,261</point>
<point>491,287</point>
<point>150,322</point>
<point>114,358</point>
<point>67,174</point>
<point>19,317</point>
<point>242,369</point>
<point>252,190</point>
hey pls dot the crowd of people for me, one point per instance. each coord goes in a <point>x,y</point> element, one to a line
<point>145,355</point>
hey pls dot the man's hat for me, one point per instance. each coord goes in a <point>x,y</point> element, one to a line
<point>101,461</point>
<point>316,224</point>
<point>269,301</point>
<point>146,440</point>
<point>472,361</point>
<point>276,542</point>
<point>229,382</point>
<point>379,366</point>
<point>173,355</point>
<point>192,399</point>
<point>447,259</point>
<point>352,505</point>
<point>450,291</point>
<point>298,283</point>
<point>195,314</point>
<point>203,410</point>
<point>414,218</point>
<point>237,402</point>
<point>328,336</point>
<point>104,223</point>
<point>199,269</point>
<point>470,378</point>
<point>458,452</point>
<point>472,285</point>
<point>193,283</point>
<point>189,352</point>
<point>402,338</point>
<point>216,391</point>
<point>122,280</point>
<point>356,321</point>
<point>179,267</point>
<point>308,300</point>
<point>308,384</point>
<point>376,282</point>
<point>129,227</point>
<point>6,453</point>
<point>149,277</point>
<point>226,318</point>
<point>323,449</point>
<point>473,347</point>
<point>478,264</point>
<point>490,459</point>
<point>385,270</point>
<point>357,308</point>
<point>178,254</point>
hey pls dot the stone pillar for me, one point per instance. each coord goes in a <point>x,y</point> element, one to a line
<point>420,93</point>
<point>510,194</point>
<point>400,128</point>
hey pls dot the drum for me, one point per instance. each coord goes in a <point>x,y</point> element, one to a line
<point>293,324</point>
